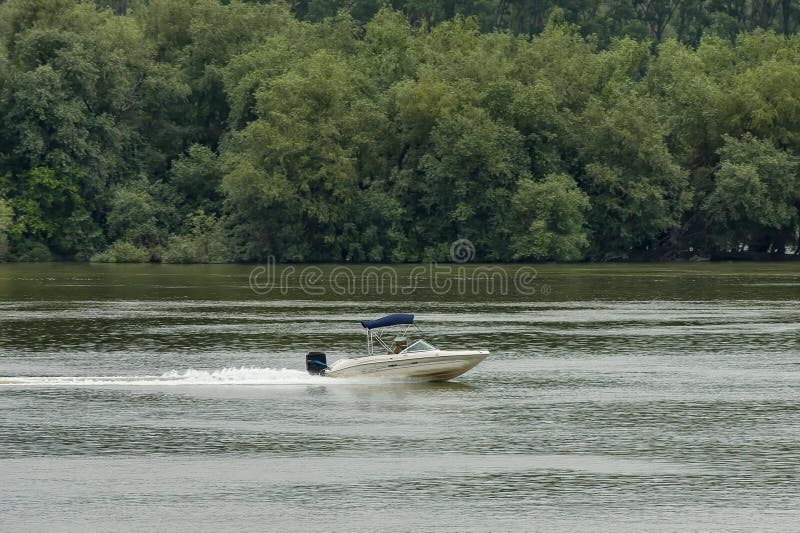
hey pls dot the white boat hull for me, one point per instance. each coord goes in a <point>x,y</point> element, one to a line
<point>434,365</point>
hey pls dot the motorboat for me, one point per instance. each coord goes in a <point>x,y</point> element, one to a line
<point>404,355</point>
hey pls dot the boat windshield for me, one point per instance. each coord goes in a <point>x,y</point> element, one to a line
<point>419,346</point>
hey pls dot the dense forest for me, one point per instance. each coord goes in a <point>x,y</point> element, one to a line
<point>325,130</point>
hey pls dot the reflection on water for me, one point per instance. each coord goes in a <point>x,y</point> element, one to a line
<point>631,397</point>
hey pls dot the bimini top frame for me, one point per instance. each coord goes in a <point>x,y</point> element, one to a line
<point>397,319</point>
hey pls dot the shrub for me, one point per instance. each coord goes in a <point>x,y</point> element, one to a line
<point>204,242</point>
<point>29,251</point>
<point>122,252</point>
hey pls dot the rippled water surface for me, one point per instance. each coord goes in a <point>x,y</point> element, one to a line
<point>637,397</point>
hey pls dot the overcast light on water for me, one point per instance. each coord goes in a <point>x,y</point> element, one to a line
<point>635,397</point>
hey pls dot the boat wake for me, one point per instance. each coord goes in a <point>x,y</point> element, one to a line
<point>225,376</point>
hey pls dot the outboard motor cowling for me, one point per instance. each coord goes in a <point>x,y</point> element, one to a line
<point>316,363</point>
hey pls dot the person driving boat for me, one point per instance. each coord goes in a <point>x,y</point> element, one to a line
<point>400,344</point>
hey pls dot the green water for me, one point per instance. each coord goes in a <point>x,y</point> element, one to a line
<point>617,397</point>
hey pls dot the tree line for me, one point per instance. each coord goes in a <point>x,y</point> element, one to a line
<point>564,130</point>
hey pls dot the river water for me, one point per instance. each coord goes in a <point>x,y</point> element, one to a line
<point>635,397</point>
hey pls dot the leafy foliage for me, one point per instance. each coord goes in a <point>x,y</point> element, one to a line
<point>122,252</point>
<point>142,213</point>
<point>555,211</point>
<point>323,130</point>
<point>756,195</point>
<point>6,216</point>
<point>204,241</point>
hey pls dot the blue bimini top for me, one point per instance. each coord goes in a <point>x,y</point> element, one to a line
<point>389,320</point>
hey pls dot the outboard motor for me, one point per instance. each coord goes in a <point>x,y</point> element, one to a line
<point>316,363</point>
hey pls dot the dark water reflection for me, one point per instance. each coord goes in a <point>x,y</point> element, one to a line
<point>655,397</point>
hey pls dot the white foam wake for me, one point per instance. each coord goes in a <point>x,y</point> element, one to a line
<point>225,376</point>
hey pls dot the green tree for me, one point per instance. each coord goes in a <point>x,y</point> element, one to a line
<point>756,197</point>
<point>84,104</point>
<point>638,191</point>
<point>203,242</point>
<point>215,37</point>
<point>464,180</point>
<point>766,92</point>
<point>48,206</point>
<point>85,92</point>
<point>143,213</point>
<point>299,173</point>
<point>549,219</point>
<point>197,177</point>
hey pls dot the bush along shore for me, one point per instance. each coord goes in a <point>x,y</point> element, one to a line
<point>201,131</point>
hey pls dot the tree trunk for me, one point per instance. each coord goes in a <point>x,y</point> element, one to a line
<point>121,7</point>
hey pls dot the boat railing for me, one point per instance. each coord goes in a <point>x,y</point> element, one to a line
<point>375,336</point>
